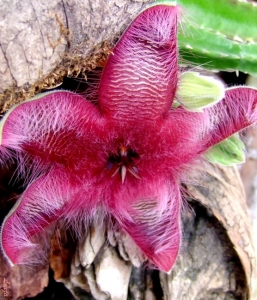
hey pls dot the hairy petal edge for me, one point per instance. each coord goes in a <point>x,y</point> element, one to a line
<point>236,111</point>
<point>153,222</point>
<point>41,204</point>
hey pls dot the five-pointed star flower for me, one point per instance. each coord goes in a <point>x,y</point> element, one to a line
<point>123,158</point>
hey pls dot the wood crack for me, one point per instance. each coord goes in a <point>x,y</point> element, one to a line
<point>8,65</point>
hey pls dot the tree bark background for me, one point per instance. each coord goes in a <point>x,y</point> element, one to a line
<point>41,42</point>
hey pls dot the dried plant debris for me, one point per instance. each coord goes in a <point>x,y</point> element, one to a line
<point>74,64</point>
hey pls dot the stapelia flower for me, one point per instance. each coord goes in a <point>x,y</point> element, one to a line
<point>123,158</point>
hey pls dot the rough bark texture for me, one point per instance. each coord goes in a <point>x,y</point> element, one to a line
<point>249,177</point>
<point>43,41</point>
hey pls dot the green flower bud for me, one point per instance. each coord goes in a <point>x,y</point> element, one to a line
<point>196,91</point>
<point>228,152</point>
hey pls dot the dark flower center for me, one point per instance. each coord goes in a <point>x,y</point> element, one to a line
<point>123,160</point>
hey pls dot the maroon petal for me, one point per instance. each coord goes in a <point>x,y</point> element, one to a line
<point>235,112</point>
<point>50,128</point>
<point>140,78</point>
<point>41,204</point>
<point>182,134</point>
<point>152,219</point>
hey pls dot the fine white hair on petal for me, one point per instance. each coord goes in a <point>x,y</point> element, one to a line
<point>40,205</point>
<point>143,67</point>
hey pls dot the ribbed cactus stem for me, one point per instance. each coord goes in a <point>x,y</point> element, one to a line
<point>220,35</point>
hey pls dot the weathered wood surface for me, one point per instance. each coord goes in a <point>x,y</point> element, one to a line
<point>38,41</point>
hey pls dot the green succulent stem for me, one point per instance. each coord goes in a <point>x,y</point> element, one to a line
<point>219,34</point>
